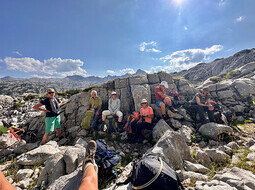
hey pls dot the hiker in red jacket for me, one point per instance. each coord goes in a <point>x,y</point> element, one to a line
<point>162,99</point>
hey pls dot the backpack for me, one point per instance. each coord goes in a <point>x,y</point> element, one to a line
<point>134,117</point>
<point>151,172</point>
<point>106,156</point>
<point>109,125</point>
<point>87,120</point>
<point>175,95</point>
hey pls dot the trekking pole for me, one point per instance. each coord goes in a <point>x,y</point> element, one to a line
<point>15,135</point>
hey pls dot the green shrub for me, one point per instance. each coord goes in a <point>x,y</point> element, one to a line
<point>17,105</point>
<point>216,79</point>
<point>30,97</point>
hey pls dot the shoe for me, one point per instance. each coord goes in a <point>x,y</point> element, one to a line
<point>172,109</point>
<point>90,154</point>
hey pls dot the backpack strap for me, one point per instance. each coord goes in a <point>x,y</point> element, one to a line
<point>152,180</point>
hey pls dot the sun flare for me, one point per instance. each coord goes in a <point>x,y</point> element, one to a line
<point>178,2</point>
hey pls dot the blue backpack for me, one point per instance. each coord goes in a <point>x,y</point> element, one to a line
<point>106,156</point>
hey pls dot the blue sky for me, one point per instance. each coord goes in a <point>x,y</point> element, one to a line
<point>58,38</point>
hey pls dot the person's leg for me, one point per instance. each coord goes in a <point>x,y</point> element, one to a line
<point>45,138</point>
<point>4,183</point>
<point>168,101</point>
<point>90,179</point>
<point>95,121</point>
<point>49,127</point>
<point>210,114</point>
<point>57,125</point>
<point>163,108</point>
<point>105,113</point>
<point>201,113</point>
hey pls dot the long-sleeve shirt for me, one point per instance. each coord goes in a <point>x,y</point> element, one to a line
<point>114,105</point>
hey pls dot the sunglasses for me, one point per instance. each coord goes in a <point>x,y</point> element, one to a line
<point>51,92</point>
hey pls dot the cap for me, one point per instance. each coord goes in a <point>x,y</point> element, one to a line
<point>164,83</point>
<point>144,101</point>
<point>114,93</point>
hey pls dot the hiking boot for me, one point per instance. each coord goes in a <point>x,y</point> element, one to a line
<point>172,109</point>
<point>90,154</point>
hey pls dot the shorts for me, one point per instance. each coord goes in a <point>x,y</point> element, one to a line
<point>158,102</point>
<point>51,123</point>
<point>107,112</point>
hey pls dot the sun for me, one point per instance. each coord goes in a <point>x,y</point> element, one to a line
<point>178,2</point>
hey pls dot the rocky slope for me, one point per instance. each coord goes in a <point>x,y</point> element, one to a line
<point>203,71</point>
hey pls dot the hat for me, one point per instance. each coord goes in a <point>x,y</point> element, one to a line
<point>144,101</point>
<point>114,93</point>
<point>164,83</point>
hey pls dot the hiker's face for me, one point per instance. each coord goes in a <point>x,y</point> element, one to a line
<point>144,105</point>
<point>162,87</point>
<point>51,94</point>
<point>94,95</point>
<point>114,96</point>
<point>203,93</point>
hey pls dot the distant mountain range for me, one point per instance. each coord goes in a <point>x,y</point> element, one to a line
<point>17,86</point>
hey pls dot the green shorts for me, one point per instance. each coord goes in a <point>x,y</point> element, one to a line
<point>51,123</point>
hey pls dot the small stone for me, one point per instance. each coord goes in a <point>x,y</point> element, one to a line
<point>251,156</point>
<point>24,173</point>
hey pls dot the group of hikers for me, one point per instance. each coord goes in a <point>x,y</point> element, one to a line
<point>201,103</point>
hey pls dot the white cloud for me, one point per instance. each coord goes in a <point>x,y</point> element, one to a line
<point>55,67</point>
<point>17,53</point>
<point>110,71</point>
<point>127,70</point>
<point>222,2</point>
<point>185,28</point>
<point>185,59</point>
<point>149,47</point>
<point>240,18</point>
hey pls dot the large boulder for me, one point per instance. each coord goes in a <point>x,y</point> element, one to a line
<point>173,149</point>
<point>6,101</point>
<point>213,185</point>
<point>238,178</point>
<point>189,166</point>
<point>160,129</point>
<point>54,168</point>
<point>24,173</point>
<point>217,156</point>
<point>213,130</point>
<point>38,155</point>
<point>140,92</point>
<point>6,140</point>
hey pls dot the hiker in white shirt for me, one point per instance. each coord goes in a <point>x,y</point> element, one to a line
<point>113,108</point>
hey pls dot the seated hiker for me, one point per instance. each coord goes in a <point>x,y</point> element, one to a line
<point>162,99</point>
<point>201,104</point>
<point>145,121</point>
<point>89,167</point>
<point>52,119</point>
<point>113,108</point>
<point>95,104</point>
<point>5,128</point>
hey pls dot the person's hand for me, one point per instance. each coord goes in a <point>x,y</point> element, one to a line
<point>211,108</point>
<point>171,98</point>
<point>46,111</point>
<point>97,113</point>
<point>113,114</point>
<point>22,130</point>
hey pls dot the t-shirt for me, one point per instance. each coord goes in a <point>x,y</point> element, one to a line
<point>46,102</point>
<point>147,111</point>
<point>114,105</point>
<point>157,96</point>
<point>203,100</point>
<point>95,103</point>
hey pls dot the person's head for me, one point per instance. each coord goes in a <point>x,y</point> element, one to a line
<point>94,94</point>
<point>144,103</point>
<point>204,91</point>
<point>114,95</point>
<point>51,92</point>
<point>163,85</point>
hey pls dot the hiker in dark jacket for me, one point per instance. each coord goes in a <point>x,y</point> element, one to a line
<point>201,104</point>
<point>52,119</point>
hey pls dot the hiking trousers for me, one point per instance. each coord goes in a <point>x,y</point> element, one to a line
<point>95,120</point>
<point>201,112</point>
<point>139,127</point>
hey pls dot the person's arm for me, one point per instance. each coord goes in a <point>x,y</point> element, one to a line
<point>161,94</point>
<point>199,103</point>
<point>37,107</point>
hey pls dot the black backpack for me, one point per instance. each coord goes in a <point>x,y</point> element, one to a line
<point>151,172</point>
